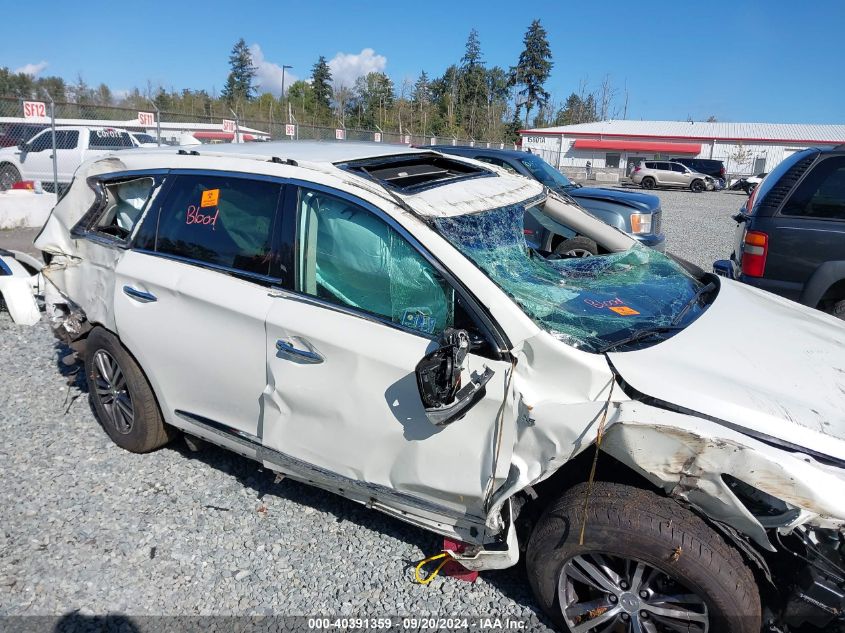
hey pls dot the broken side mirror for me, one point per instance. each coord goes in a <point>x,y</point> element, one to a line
<point>439,380</point>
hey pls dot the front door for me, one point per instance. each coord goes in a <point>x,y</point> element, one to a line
<point>192,296</point>
<point>342,347</point>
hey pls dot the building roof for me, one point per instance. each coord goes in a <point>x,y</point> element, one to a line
<point>787,132</point>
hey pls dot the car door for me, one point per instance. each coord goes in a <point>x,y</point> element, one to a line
<point>191,298</point>
<point>68,154</point>
<point>680,175</point>
<point>342,348</point>
<point>36,159</point>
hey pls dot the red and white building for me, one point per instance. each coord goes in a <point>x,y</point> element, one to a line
<point>745,148</point>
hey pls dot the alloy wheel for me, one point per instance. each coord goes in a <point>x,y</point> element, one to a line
<point>578,252</point>
<point>600,593</point>
<point>113,392</point>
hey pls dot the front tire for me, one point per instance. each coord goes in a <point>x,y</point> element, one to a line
<point>647,564</point>
<point>121,396</point>
<point>697,186</point>
<point>9,175</point>
<point>578,246</point>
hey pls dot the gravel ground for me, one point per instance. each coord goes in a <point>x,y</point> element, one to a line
<point>91,528</point>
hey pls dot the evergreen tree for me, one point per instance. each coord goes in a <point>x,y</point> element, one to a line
<point>472,99</point>
<point>533,68</point>
<point>321,83</point>
<point>239,86</point>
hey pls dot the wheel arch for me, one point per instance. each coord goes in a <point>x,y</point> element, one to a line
<point>827,283</point>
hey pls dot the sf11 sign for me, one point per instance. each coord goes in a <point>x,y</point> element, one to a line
<point>228,126</point>
<point>34,110</point>
<point>340,134</point>
<point>146,119</point>
<point>290,129</point>
<point>377,137</point>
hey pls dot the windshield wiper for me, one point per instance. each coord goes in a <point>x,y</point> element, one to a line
<point>638,335</point>
<point>707,288</point>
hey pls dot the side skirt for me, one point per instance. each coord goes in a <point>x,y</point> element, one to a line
<point>408,508</point>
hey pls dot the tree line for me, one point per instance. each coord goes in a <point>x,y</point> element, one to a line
<point>469,100</point>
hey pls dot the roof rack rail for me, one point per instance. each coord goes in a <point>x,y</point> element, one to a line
<point>286,161</point>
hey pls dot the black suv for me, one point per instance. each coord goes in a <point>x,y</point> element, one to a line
<point>714,168</point>
<point>637,214</point>
<point>791,232</point>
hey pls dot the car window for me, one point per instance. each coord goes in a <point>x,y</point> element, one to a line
<point>109,138</point>
<point>66,139</point>
<point>220,220</point>
<point>678,167</point>
<point>496,161</point>
<point>650,165</point>
<point>123,205</point>
<point>41,142</point>
<point>350,257</point>
<point>822,193</point>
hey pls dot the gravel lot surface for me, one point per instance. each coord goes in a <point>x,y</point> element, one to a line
<point>87,526</point>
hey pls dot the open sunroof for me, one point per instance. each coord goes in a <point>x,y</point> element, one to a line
<point>410,173</point>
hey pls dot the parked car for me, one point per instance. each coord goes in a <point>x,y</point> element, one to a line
<point>747,183</point>
<point>12,134</point>
<point>659,173</point>
<point>713,168</point>
<point>142,139</point>
<point>637,214</point>
<point>33,160</point>
<point>370,320</point>
<point>790,235</point>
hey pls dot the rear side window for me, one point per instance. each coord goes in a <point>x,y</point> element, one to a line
<point>822,192</point>
<point>109,138</point>
<point>650,165</point>
<point>221,220</point>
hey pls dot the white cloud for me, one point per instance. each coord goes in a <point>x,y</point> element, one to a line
<point>268,75</point>
<point>347,67</point>
<point>32,69</point>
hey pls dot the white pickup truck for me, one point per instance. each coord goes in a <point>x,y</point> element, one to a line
<point>33,160</point>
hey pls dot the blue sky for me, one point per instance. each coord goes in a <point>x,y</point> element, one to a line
<point>774,61</point>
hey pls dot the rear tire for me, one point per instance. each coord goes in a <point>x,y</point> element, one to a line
<point>9,175</point>
<point>838,310</point>
<point>647,183</point>
<point>579,246</point>
<point>653,558</point>
<point>121,396</point>
<point>697,186</point>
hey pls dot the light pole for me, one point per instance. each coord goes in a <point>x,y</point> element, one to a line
<point>284,66</point>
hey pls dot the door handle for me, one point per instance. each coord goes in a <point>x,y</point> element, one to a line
<point>309,356</point>
<point>139,295</point>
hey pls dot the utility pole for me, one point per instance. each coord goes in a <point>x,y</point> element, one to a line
<point>284,66</point>
<point>158,121</point>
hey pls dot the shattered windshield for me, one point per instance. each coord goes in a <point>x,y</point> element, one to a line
<point>545,173</point>
<point>590,302</point>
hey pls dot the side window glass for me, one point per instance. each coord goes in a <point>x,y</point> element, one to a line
<point>124,205</point>
<point>65,139</point>
<point>351,257</point>
<point>221,220</point>
<point>678,167</point>
<point>822,193</point>
<point>41,142</point>
<point>109,138</point>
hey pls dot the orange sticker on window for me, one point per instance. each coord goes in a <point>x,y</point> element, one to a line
<point>210,198</point>
<point>624,310</point>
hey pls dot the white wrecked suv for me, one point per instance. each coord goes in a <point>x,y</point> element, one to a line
<point>664,448</point>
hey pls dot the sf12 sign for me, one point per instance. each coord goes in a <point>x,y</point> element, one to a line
<point>290,129</point>
<point>146,119</point>
<point>34,110</point>
<point>228,126</point>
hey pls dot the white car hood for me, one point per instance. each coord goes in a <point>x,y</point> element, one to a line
<point>757,362</point>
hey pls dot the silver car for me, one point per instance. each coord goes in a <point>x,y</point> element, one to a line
<point>663,173</point>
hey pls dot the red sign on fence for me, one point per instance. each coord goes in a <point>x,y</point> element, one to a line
<point>290,129</point>
<point>377,137</point>
<point>146,119</point>
<point>34,110</point>
<point>228,125</point>
<point>340,134</point>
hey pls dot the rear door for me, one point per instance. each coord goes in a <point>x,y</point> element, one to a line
<point>192,295</point>
<point>810,227</point>
<point>342,348</point>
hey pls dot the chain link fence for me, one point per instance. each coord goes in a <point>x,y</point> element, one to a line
<point>44,142</point>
